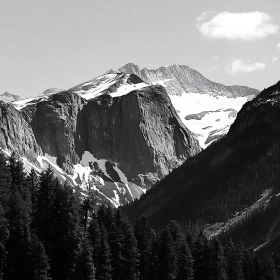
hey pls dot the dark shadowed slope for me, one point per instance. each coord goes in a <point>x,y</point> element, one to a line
<point>232,182</point>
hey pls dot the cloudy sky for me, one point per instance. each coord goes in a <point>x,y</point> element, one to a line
<point>59,43</point>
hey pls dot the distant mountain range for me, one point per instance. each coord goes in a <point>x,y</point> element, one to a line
<point>120,131</point>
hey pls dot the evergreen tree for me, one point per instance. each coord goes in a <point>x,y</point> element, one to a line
<point>94,237</point>
<point>185,263</point>
<point>142,232</point>
<point>105,268</point>
<point>167,256</point>
<point>56,223</point>
<point>151,256</point>
<point>269,268</point>
<point>65,233</point>
<point>234,268</point>
<point>201,257</point>
<point>33,184</point>
<point>36,261</point>
<point>85,269</point>
<point>19,240</point>
<point>221,263</point>
<point>42,220</point>
<point>4,180</point>
<point>130,253</point>
<point>4,236</point>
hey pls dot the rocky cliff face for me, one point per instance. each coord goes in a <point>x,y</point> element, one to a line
<point>192,94</point>
<point>114,134</point>
<point>54,123</point>
<point>141,131</point>
<point>16,134</point>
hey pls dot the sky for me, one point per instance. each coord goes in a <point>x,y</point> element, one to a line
<point>58,43</point>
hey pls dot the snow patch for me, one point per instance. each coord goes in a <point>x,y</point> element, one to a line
<point>194,103</point>
<point>125,89</point>
<point>51,159</point>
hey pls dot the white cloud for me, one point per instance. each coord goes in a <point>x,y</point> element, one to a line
<point>241,66</point>
<point>278,46</point>
<point>274,60</point>
<point>233,26</point>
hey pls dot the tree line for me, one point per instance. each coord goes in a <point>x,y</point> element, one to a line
<point>47,232</point>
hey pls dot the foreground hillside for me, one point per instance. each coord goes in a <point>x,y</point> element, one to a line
<point>232,185</point>
<point>47,234</point>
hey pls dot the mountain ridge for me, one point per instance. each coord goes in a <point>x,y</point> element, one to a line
<point>114,132</point>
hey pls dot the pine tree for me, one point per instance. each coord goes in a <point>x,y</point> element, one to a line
<point>151,258</point>
<point>36,261</point>
<point>42,220</point>
<point>117,248</point>
<point>56,223</point>
<point>94,237</point>
<point>270,272</point>
<point>142,232</point>
<point>4,180</point>
<point>87,206</point>
<point>221,263</point>
<point>234,269</point>
<point>85,269</point>
<point>33,184</point>
<point>130,253</point>
<point>19,240</point>
<point>65,233</point>
<point>104,271</point>
<point>167,256</point>
<point>4,236</point>
<point>185,263</point>
<point>201,257</point>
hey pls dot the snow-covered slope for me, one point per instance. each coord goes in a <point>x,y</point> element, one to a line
<point>20,104</point>
<point>207,116</point>
<point>191,93</point>
<point>113,84</point>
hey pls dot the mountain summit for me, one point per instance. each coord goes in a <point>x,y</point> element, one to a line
<point>205,107</point>
<point>181,79</point>
<point>9,97</point>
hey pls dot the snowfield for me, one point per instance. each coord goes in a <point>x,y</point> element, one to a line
<point>217,119</point>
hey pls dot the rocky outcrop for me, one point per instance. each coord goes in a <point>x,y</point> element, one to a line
<point>54,123</point>
<point>141,131</point>
<point>16,134</point>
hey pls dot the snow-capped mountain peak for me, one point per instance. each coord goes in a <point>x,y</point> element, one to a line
<point>114,84</point>
<point>9,97</point>
<point>193,94</point>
